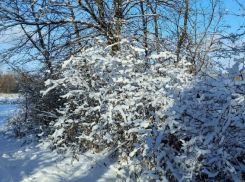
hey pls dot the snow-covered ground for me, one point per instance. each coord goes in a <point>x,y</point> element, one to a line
<point>22,160</point>
<point>6,111</point>
<point>9,98</point>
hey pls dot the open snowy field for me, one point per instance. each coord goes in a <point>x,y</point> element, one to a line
<point>22,160</point>
<point>9,98</point>
<point>6,111</point>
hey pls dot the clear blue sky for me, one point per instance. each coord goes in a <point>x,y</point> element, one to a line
<point>233,21</point>
<point>233,8</point>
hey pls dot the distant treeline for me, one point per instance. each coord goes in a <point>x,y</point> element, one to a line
<point>9,82</point>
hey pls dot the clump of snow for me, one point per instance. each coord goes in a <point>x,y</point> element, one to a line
<point>5,156</point>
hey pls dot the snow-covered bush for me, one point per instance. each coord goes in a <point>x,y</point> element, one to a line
<point>115,103</point>
<point>162,122</point>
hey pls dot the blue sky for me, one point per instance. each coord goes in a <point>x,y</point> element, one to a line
<point>233,21</point>
<point>233,8</point>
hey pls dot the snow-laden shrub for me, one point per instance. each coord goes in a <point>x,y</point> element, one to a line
<point>116,103</point>
<point>162,122</point>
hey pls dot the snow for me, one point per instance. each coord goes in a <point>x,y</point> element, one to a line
<point>9,98</point>
<point>37,163</point>
<point>27,161</point>
<point>5,111</point>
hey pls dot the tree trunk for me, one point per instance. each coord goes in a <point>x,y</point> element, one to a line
<point>183,35</point>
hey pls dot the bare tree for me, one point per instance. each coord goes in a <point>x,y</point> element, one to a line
<point>206,22</point>
<point>52,31</point>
